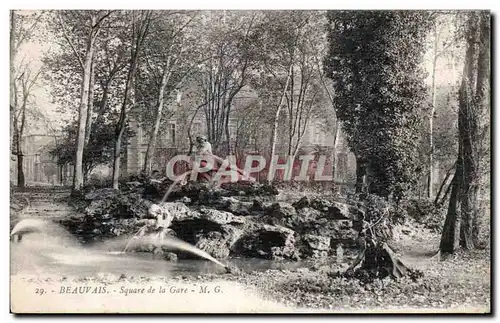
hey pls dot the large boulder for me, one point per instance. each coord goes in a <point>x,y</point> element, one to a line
<point>321,204</point>
<point>317,242</point>
<point>305,201</point>
<point>219,217</point>
<point>337,230</point>
<point>137,206</point>
<point>178,210</point>
<point>306,219</point>
<point>210,230</point>
<point>281,214</point>
<point>258,205</point>
<point>210,196</point>
<point>281,210</point>
<point>315,246</point>
<point>343,211</point>
<point>250,188</point>
<point>193,190</point>
<point>215,243</point>
<point>233,205</point>
<point>116,204</point>
<point>268,242</point>
<point>333,210</point>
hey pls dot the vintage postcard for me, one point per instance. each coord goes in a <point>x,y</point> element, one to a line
<point>250,161</point>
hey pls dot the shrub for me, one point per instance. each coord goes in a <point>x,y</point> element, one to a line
<point>426,213</point>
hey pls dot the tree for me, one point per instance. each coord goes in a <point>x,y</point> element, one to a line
<point>473,105</point>
<point>107,74</point>
<point>87,27</point>
<point>98,151</point>
<point>230,48</point>
<point>23,87</point>
<point>281,35</point>
<point>22,81</point>
<point>440,48</point>
<point>305,91</point>
<point>374,60</point>
<point>338,124</point>
<point>138,33</point>
<point>12,53</point>
<point>171,56</point>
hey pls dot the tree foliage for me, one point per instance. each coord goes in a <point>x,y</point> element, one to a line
<point>98,151</point>
<point>374,60</point>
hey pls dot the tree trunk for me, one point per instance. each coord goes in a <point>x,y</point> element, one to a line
<point>360,175</point>
<point>377,261</point>
<point>448,238</point>
<point>431,117</point>
<point>443,199</point>
<point>159,109</point>
<point>20,172</point>
<point>438,202</point>
<point>90,108</point>
<point>471,102</point>
<point>483,108</point>
<point>277,115</point>
<point>19,154</point>
<point>471,135</point>
<point>20,164</point>
<point>12,75</point>
<point>120,128</point>
<point>228,133</point>
<point>335,148</point>
<point>468,133</point>
<point>82,113</point>
<point>117,151</point>
<point>60,173</point>
<point>443,184</point>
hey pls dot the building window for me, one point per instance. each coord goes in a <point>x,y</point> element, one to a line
<point>163,138</point>
<point>172,133</point>
<point>252,140</point>
<point>179,97</point>
<point>142,159</point>
<point>37,158</point>
<point>144,135</point>
<point>318,133</point>
<point>196,128</point>
<point>317,136</point>
<point>233,129</point>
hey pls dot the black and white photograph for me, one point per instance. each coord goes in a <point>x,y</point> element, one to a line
<point>167,161</point>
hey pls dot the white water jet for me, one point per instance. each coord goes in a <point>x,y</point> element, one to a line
<point>58,244</point>
<point>52,232</point>
<point>175,243</point>
<point>159,240</point>
<point>180,178</point>
<point>135,236</point>
<point>29,226</point>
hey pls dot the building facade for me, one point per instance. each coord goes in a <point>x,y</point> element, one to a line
<point>173,138</point>
<point>39,167</point>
